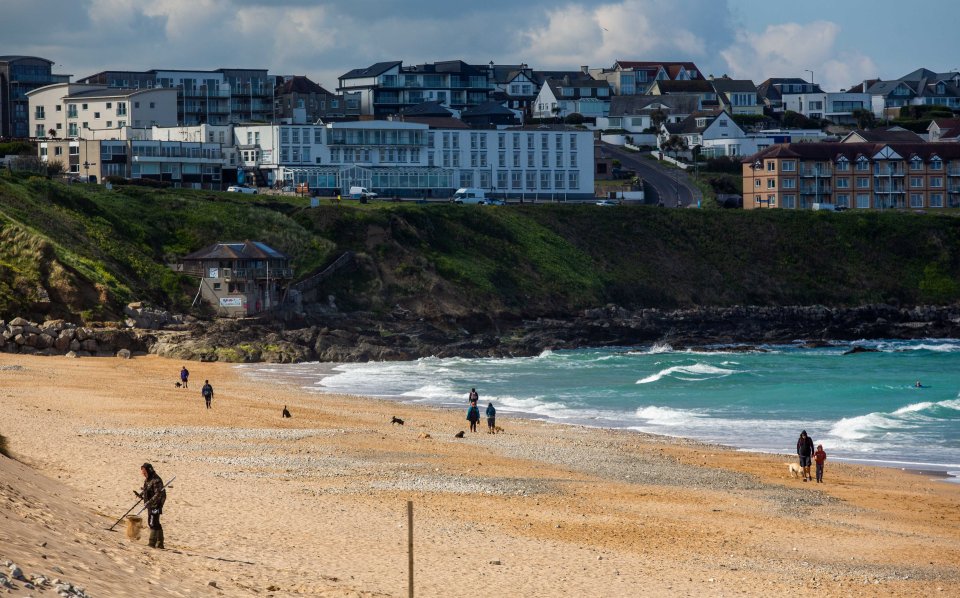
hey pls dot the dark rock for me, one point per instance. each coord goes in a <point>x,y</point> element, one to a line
<point>858,349</point>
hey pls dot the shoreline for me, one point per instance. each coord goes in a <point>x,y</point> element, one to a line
<point>948,472</point>
<point>315,504</point>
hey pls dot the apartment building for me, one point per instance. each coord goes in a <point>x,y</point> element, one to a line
<point>386,88</point>
<point>629,78</point>
<point>772,90</point>
<point>299,100</point>
<point>186,164</point>
<point>838,108</point>
<point>78,110</point>
<point>217,97</point>
<point>414,160</point>
<point>853,176</point>
<point>20,75</point>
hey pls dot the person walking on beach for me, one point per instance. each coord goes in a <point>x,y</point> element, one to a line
<point>805,452</point>
<point>491,418</point>
<point>184,376</point>
<point>473,415</point>
<point>820,456</point>
<point>474,397</point>
<point>153,496</point>
<point>207,392</point>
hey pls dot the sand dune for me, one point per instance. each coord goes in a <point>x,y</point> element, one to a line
<point>316,504</point>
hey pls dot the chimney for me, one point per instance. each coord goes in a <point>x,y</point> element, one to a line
<point>585,70</point>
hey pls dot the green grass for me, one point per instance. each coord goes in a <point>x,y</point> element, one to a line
<point>93,250</point>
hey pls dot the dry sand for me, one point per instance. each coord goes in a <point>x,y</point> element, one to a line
<point>316,504</point>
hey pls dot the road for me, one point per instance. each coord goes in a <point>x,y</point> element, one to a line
<point>672,186</point>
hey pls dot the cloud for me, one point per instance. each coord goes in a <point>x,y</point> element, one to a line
<point>790,49</point>
<point>599,34</point>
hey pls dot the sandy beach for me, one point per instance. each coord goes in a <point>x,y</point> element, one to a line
<point>315,505</point>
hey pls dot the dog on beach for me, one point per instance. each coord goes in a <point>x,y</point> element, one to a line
<point>396,420</point>
<point>497,429</point>
<point>794,469</point>
<point>458,434</point>
<point>285,412</point>
<point>178,385</point>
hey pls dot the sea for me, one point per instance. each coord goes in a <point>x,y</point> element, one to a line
<point>864,407</point>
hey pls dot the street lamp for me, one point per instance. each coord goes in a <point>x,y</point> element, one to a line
<point>811,75</point>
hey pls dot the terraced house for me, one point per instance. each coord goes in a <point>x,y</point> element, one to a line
<point>853,175</point>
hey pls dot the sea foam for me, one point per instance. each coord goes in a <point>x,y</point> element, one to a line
<point>697,371</point>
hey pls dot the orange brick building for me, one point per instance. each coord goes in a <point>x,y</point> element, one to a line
<point>853,175</point>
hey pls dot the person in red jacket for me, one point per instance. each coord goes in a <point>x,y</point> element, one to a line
<point>820,456</point>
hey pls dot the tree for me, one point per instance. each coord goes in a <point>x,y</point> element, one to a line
<point>574,118</point>
<point>865,118</point>
<point>657,118</point>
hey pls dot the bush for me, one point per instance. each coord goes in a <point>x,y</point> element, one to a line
<point>13,148</point>
<point>795,120</point>
<point>724,164</point>
<point>574,119</point>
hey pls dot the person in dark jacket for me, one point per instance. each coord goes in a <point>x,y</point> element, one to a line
<point>184,376</point>
<point>207,392</point>
<point>491,418</point>
<point>805,452</point>
<point>153,496</point>
<point>473,415</point>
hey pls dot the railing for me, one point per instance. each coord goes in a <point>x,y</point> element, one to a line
<point>822,172</point>
<point>826,190</point>
<point>256,273</point>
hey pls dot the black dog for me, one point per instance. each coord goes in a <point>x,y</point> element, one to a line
<point>396,420</point>
<point>285,412</point>
<point>178,385</point>
<point>458,434</point>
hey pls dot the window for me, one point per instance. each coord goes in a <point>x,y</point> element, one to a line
<point>83,106</point>
<point>936,200</point>
<point>38,131</point>
<point>916,200</point>
<point>153,104</point>
<point>863,182</point>
<point>843,183</point>
<point>544,179</point>
<point>771,183</point>
<point>863,200</point>
<point>109,124</point>
<point>545,160</point>
<point>936,164</point>
<point>936,182</point>
<point>501,179</point>
<point>96,115</point>
<point>573,180</point>
<point>39,115</point>
<point>771,166</point>
<point>558,179</point>
<point>788,166</point>
<point>789,201</point>
<point>58,151</point>
<point>757,183</point>
<point>843,200</point>
<point>843,166</point>
<point>530,160</point>
<point>136,104</point>
<point>502,159</point>
<point>72,129</point>
<point>789,183</point>
<point>863,165</point>
<point>916,164</point>
<point>573,160</point>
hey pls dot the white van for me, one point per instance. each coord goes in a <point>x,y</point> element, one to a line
<point>241,189</point>
<point>361,193</point>
<point>469,195</point>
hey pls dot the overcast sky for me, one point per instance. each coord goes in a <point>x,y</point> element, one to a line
<point>841,42</point>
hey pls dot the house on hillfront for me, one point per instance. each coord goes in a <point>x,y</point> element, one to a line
<point>737,96</point>
<point>943,130</point>
<point>239,279</point>
<point>560,98</point>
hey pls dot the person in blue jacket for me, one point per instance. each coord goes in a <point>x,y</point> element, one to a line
<point>491,418</point>
<point>473,416</point>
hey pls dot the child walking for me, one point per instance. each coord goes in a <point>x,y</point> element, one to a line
<point>820,456</point>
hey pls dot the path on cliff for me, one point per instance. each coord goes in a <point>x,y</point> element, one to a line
<point>671,186</point>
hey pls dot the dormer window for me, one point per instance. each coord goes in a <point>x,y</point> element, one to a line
<point>916,163</point>
<point>941,88</point>
<point>701,122</point>
<point>936,163</point>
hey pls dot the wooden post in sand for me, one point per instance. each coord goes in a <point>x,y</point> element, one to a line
<point>410,547</point>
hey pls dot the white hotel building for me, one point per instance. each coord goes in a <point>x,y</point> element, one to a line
<point>413,160</point>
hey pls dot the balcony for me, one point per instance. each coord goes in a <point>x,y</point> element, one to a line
<point>243,274</point>
<point>816,172</point>
<point>822,190</point>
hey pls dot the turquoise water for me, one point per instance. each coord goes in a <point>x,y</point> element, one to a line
<point>861,407</point>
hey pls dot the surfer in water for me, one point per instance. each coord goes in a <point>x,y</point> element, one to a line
<point>917,384</point>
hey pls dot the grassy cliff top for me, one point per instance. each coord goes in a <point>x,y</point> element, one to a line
<point>82,251</point>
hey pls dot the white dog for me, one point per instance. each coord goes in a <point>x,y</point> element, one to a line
<point>794,469</point>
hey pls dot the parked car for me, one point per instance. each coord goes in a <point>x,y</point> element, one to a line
<point>608,202</point>
<point>241,189</point>
<point>470,195</point>
<point>361,193</point>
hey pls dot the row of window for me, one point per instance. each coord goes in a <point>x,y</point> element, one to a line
<point>862,164</point>
<point>861,201</point>
<point>863,182</point>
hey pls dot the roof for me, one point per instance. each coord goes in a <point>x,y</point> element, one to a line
<point>886,87</point>
<point>244,250</point>
<point>436,122</point>
<point>302,85</point>
<point>16,57</point>
<point>832,151</point>
<point>371,71</point>
<point>680,103</point>
<point>540,77</point>
<point>695,86</point>
<point>576,85</point>
<point>724,85</point>
<point>487,109</point>
<point>112,92</point>
<point>433,108</point>
<point>949,127</point>
<point>505,73</point>
<point>688,126</point>
<point>672,68</point>
<point>886,135</point>
<point>448,66</point>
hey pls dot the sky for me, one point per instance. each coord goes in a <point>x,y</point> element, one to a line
<point>836,43</point>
